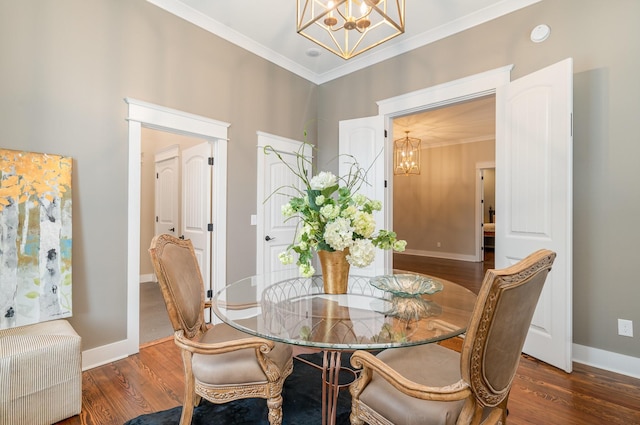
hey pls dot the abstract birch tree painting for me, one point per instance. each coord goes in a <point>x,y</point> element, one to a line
<point>35,237</point>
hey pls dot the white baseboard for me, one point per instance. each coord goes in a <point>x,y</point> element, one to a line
<point>438,254</point>
<point>148,278</point>
<point>104,354</point>
<point>613,362</point>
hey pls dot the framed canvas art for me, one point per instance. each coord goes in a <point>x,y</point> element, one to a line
<point>35,237</point>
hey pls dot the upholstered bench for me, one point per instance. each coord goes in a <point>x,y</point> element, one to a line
<point>40,373</point>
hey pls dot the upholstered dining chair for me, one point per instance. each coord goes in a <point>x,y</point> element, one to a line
<point>430,384</point>
<point>221,363</point>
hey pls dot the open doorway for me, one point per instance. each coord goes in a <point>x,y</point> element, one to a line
<point>533,173</point>
<point>147,115</point>
<point>157,147</point>
<point>438,211</point>
<point>488,203</point>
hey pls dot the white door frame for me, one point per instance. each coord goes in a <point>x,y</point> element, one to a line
<point>456,91</point>
<point>452,92</point>
<point>479,227</point>
<point>143,114</point>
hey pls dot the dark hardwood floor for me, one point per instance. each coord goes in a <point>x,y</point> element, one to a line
<point>542,395</point>
<point>465,273</point>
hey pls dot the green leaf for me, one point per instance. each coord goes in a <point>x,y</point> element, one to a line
<point>32,295</point>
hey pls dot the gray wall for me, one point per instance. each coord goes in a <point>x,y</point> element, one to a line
<point>439,205</point>
<point>65,67</point>
<point>603,38</point>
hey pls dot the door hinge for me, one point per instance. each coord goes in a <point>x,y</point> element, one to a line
<point>385,133</point>
<point>157,175</point>
<point>210,160</point>
<point>156,219</point>
<point>385,184</point>
<point>571,124</point>
<point>209,293</point>
<point>210,227</point>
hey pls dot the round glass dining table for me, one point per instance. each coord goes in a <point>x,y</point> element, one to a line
<point>295,310</point>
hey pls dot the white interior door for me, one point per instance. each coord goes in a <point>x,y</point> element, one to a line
<point>274,234</point>
<point>196,204</point>
<point>167,168</point>
<point>534,196</point>
<point>363,139</point>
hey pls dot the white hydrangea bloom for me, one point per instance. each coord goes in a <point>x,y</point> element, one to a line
<point>323,180</point>
<point>360,199</point>
<point>320,199</point>
<point>339,234</point>
<point>364,224</point>
<point>399,245</point>
<point>306,270</point>
<point>349,212</point>
<point>330,211</point>
<point>287,210</point>
<point>361,253</point>
<point>285,258</point>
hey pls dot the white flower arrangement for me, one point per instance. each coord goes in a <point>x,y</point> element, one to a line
<point>333,217</point>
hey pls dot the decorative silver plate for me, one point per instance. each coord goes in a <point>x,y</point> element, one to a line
<point>406,285</point>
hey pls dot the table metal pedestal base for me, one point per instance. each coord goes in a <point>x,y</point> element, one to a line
<point>331,368</point>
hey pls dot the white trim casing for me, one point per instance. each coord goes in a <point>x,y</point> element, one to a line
<point>143,114</point>
<point>607,360</point>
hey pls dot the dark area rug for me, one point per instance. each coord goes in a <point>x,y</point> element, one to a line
<point>302,394</point>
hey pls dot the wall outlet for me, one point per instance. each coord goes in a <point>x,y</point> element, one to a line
<point>625,327</point>
<point>438,244</point>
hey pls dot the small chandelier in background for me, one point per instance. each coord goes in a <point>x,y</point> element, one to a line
<point>406,155</point>
<point>350,27</point>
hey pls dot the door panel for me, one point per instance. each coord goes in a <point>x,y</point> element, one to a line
<point>363,139</point>
<point>196,204</point>
<point>534,196</point>
<point>166,196</point>
<point>273,233</point>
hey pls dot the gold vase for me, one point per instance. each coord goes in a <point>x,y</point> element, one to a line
<point>335,271</point>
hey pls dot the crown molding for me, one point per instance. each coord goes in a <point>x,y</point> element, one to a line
<point>392,49</point>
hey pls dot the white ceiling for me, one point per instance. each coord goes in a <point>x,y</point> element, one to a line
<point>268,29</point>
<point>465,122</point>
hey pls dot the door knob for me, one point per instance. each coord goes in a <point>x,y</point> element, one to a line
<point>269,238</point>
<point>173,229</point>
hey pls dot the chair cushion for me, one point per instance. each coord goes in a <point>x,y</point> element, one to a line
<point>431,365</point>
<point>236,367</point>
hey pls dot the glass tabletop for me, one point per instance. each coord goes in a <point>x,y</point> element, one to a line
<point>296,311</point>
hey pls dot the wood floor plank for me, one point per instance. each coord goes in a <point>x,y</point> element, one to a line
<point>152,380</point>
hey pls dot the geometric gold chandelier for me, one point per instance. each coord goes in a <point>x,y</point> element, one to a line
<point>406,155</point>
<point>350,27</point>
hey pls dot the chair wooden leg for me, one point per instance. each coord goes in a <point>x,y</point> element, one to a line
<point>275,410</point>
<point>187,407</point>
<point>190,395</point>
<point>354,419</point>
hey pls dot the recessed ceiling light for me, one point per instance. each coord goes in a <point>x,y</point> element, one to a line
<point>313,52</point>
<point>540,33</point>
